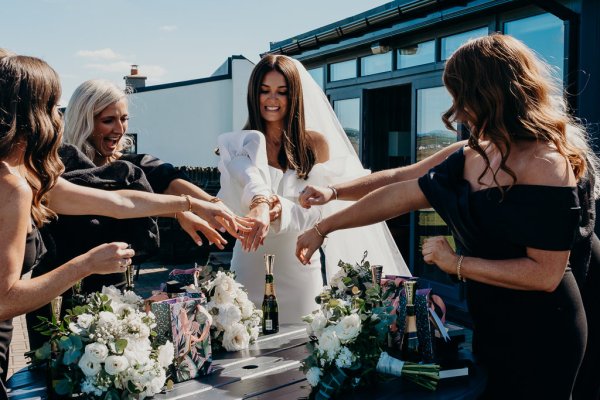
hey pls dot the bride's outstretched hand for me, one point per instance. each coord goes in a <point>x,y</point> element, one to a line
<point>218,215</point>
<point>315,196</point>
<point>259,216</point>
<point>191,224</point>
<point>307,244</point>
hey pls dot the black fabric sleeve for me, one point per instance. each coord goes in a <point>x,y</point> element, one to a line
<point>160,174</point>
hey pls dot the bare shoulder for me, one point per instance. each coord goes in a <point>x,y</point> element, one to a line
<point>548,167</point>
<point>319,144</point>
<point>13,188</point>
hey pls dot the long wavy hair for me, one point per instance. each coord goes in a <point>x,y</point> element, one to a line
<point>504,92</point>
<point>296,152</point>
<point>89,100</point>
<point>29,95</point>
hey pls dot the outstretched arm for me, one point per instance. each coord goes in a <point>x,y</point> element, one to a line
<point>356,189</point>
<point>382,204</point>
<point>70,199</point>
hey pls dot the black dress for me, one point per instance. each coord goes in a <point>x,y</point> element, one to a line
<point>34,250</point>
<point>531,342</point>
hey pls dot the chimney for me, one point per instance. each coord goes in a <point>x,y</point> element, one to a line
<point>133,80</point>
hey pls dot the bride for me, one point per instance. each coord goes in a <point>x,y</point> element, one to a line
<point>292,138</point>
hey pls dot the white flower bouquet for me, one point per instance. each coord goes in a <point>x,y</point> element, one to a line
<point>235,318</point>
<point>350,333</point>
<point>104,349</point>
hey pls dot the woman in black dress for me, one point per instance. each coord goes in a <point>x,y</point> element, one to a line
<point>31,193</point>
<point>511,201</point>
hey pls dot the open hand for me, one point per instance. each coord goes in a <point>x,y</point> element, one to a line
<point>260,218</point>
<point>307,244</point>
<point>436,250</point>
<point>315,196</point>
<point>218,215</point>
<point>191,224</point>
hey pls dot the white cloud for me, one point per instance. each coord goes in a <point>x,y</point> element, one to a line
<point>168,28</point>
<point>102,54</point>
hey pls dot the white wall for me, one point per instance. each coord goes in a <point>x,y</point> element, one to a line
<point>180,125</point>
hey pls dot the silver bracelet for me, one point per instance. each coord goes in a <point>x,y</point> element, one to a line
<point>334,190</point>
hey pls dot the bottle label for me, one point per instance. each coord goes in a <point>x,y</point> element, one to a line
<point>269,324</point>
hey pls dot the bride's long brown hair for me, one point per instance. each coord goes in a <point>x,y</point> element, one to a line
<point>29,95</point>
<point>296,152</point>
<point>505,93</point>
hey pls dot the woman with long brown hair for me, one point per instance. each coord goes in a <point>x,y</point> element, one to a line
<point>286,145</point>
<point>32,193</point>
<point>511,201</point>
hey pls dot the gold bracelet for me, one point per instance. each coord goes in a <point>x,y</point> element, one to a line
<point>458,267</point>
<point>318,231</point>
<point>258,199</point>
<point>334,190</point>
<point>189,201</point>
<point>215,200</point>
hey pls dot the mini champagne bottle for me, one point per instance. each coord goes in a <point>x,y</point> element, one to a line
<point>269,306</point>
<point>410,341</point>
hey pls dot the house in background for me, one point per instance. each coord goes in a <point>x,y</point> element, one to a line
<point>179,122</point>
<point>382,71</point>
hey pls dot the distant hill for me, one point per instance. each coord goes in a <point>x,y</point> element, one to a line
<point>441,134</point>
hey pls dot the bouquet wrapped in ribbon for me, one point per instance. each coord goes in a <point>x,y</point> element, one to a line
<point>350,332</point>
<point>235,319</point>
<point>104,349</point>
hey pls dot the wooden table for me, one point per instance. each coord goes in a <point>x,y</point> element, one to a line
<point>269,369</point>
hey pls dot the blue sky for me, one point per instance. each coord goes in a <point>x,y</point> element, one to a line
<point>170,40</point>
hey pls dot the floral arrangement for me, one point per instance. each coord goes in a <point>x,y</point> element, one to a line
<point>235,319</point>
<point>103,349</point>
<point>350,331</point>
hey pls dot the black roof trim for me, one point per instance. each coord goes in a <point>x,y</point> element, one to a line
<point>194,81</point>
<point>357,25</point>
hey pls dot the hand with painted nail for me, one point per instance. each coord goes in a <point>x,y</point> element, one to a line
<point>192,224</point>
<point>259,216</point>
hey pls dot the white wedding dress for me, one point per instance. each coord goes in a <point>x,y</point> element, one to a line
<point>245,173</point>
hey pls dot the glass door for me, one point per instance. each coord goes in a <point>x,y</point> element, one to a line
<point>431,101</point>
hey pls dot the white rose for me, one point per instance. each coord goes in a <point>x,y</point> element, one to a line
<point>313,376</point>
<point>236,338</point>
<point>107,319</point>
<point>228,315</point>
<point>166,352</point>
<point>96,352</point>
<point>241,295</point>
<point>329,343</point>
<point>337,280</point>
<point>247,308</point>
<point>130,297</point>
<point>89,367</point>
<point>85,320</point>
<point>111,292</point>
<point>222,296</point>
<point>137,351</point>
<point>115,364</point>
<point>318,323</point>
<point>348,328</point>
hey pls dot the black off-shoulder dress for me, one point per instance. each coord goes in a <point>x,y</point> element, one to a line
<point>34,250</point>
<point>531,342</point>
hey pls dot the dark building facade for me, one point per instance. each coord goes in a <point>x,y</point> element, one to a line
<point>382,71</point>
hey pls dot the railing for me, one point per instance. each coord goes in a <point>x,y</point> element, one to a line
<point>175,245</point>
